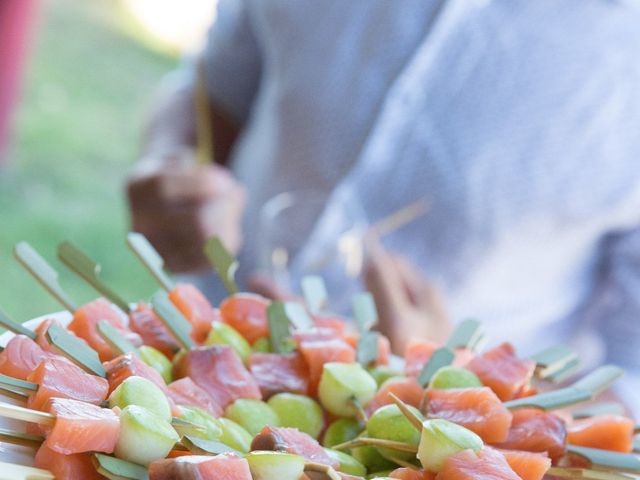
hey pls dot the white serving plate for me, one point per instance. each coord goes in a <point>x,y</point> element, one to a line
<point>14,453</point>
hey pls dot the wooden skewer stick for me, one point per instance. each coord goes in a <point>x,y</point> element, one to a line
<point>199,446</point>
<point>382,227</point>
<point>43,273</point>
<point>322,468</point>
<point>15,327</point>
<point>204,128</point>
<point>315,293</point>
<point>18,438</point>
<point>414,419</point>
<point>150,258</point>
<point>399,218</point>
<point>404,463</point>
<point>75,350</point>
<point>14,394</point>
<point>89,270</point>
<point>223,263</point>
<point>377,442</point>
<point>171,317</point>
<point>568,472</point>
<point>16,383</point>
<point>115,339</point>
<point>553,360</point>
<point>582,390</point>
<point>26,414</point>
<point>112,467</point>
<point>20,472</point>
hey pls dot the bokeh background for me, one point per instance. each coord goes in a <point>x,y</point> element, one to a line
<point>88,81</point>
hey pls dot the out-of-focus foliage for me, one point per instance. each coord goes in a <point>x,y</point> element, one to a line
<point>86,90</point>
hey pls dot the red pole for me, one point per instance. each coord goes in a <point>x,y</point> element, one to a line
<point>15,20</point>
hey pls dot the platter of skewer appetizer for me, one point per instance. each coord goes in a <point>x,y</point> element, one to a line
<point>253,389</point>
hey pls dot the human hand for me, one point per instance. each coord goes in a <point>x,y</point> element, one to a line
<point>178,204</point>
<point>409,305</point>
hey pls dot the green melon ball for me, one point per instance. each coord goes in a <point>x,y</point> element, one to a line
<point>298,411</point>
<point>234,435</point>
<point>275,465</point>
<point>381,373</point>
<point>144,436</point>
<point>343,386</point>
<point>340,431</point>
<point>224,334</point>
<point>440,439</point>
<point>209,426</point>
<point>389,423</point>
<point>156,360</point>
<point>348,464</point>
<point>142,392</point>
<point>262,345</point>
<point>371,458</point>
<point>252,415</point>
<point>454,377</point>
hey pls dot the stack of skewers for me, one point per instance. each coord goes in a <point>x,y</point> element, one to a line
<point>271,390</point>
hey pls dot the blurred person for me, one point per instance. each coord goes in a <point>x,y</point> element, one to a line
<point>15,21</point>
<point>519,120</point>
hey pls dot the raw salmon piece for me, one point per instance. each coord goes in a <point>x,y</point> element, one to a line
<point>411,474</point>
<point>186,392</point>
<point>196,308</point>
<point>609,432</point>
<point>407,389</point>
<point>503,372</point>
<point>129,365</point>
<point>81,427</point>
<point>315,334</point>
<point>417,353</point>
<point>317,353</point>
<point>219,371</point>
<point>85,321</point>
<point>279,373</point>
<point>384,347</point>
<point>527,391</point>
<point>58,378</point>
<point>41,335</point>
<point>247,313</point>
<point>487,464</point>
<point>292,440</point>
<point>195,467</point>
<point>528,465</point>
<point>384,350</point>
<point>478,409</point>
<point>146,323</point>
<point>462,357</point>
<point>336,324</point>
<point>20,357</point>
<point>536,431</point>
<point>66,467</point>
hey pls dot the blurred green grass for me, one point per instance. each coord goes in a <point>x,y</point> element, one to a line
<point>86,90</point>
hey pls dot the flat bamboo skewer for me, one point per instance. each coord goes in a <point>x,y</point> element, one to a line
<point>20,472</point>
<point>22,439</point>
<point>26,414</point>
<point>43,273</point>
<point>399,218</point>
<point>104,464</point>
<point>204,128</point>
<point>150,259</point>
<point>89,270</point>
<point>68,345</point>
<point>171,317</point>
<point>15,327</point>
<point>394,221</point>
